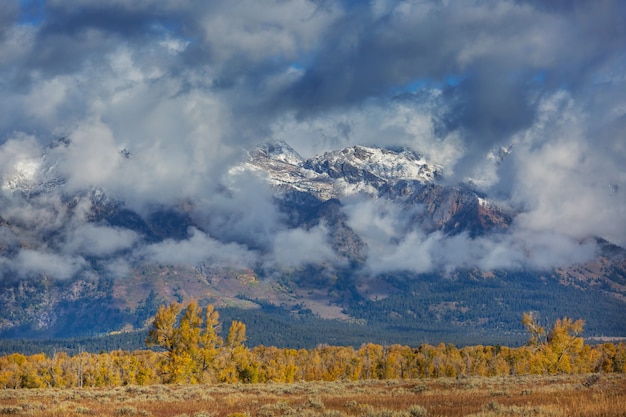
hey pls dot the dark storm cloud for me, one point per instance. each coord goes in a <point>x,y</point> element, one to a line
<point>505,53</point>
<point>9,13</point>
<point>183,86</point>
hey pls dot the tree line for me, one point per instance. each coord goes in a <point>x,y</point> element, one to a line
<point>188,349</point>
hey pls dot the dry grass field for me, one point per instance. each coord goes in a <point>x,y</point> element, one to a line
<point>573,395</point>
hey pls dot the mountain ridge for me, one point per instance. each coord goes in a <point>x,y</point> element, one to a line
<point>316,198</point>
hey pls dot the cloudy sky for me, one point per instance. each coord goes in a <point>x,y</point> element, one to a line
<point>186,85</point>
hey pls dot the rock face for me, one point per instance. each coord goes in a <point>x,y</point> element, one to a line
<point>338,174</point>
<point>119,285</point>
<point>402,176</point>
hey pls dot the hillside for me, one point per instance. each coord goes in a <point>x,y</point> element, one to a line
<point>359,244</point>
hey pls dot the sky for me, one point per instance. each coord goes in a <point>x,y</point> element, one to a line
<point>184,87</point>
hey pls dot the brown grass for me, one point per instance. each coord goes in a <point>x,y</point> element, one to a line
<point>553,396</point>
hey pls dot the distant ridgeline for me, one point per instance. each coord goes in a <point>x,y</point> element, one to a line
<point>191,351</point>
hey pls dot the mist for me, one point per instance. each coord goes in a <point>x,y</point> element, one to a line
<point>157,103</point>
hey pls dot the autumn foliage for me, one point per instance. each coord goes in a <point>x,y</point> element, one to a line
<point>189,350</point>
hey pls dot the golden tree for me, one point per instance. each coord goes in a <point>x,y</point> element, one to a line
<point>537,333</point>
<point>564,345</point>
<point>191,342</point>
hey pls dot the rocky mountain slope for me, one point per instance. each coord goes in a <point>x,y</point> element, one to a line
<point>100,272</point>
<point>401,175</point>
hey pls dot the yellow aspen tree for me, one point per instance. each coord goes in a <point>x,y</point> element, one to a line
<point>619,362</point>
<point>29,376</point>
<point>537,333</point>
<point>290,371</point>
<point>183,369</point>
<point>563,344</point>
<point>191,342</point>
<point>102,370</point>
<point>146,369</point>
<point>587,360</point>
<point>329,372</point>
<point>371,356</point>
<point>90,370</point>
<point>236,334</point>
<point>186,353</point>
<point>312,365</point>
<point>55,372</point>
<point>238,363</point>
<point>607,357</point>
<point>539,362</point>
<point>163,327</point>
<point>210,343</point>
<point>499,365</point>
<point>6,373</point>
<point>476,359</point>
<point>425,360</point>
<point>439,360</point>
<point>187,333</point>
<point>519,360</point>
<point>270,359</point>
<point>394,365</point>
<point>454,362</point>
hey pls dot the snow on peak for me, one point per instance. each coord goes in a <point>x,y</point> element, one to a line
<point>385,164</point>
<point>356,169</point>
<point>278,151</point>
<point>23,176</point>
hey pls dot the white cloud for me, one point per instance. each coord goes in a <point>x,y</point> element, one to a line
<point>258,30</point>
<point>92,157</point>
<point>198,248</point>
<point>394,244</point>
<point>297,247</point>
<point>58,266</point>
<point>185,85</point>
<point>565,179</point>
<point>99,240</point>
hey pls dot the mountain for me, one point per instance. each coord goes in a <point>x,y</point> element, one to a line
<point>375,239</point>
<point>338,174</point>
<point>401,175</point>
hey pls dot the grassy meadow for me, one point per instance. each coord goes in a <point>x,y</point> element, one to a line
<point>555,396</point>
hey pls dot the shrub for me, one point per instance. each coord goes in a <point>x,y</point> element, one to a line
<point>316,403</point>
<point>417,411</point>
<point>11,409</point>
<point>126,411</point>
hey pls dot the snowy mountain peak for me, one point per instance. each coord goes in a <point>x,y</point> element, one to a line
<point>30,176</point>
<point>357,163</point>
<point>24,175</point>
<point>340,173</point>
<point>277,151</point>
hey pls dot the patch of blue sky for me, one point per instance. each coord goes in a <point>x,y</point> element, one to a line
<point>32,12</point>
<point>170,29</point>
<point>539,77</point>
<point>428,84</point>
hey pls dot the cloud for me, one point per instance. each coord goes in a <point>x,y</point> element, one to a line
<point>297,247</point>
<point>412,122</point>
<point>99,241</point>
<point>395,244</point>
<point>58,266</point>
<point>159,99</point>
<point>436,252</point>
<point>198,248</point>
<point>20,160</point>
<point>243,212</point>
<point>91,157</point>
<point>566,177</point>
